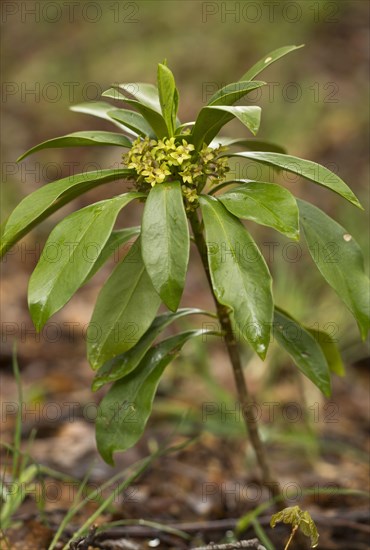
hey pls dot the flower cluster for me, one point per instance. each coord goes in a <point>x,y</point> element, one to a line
<point>156,162</point>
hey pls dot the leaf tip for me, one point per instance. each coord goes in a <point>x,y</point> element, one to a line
<point>171,299</point>
<point>107,455</point>
<point>38,324</point>
<point>37,316</point>
<point>261,350</point>
<point>294,234</point>
<point>95,385</point>
<point>94,363</point>
<point>364,329</point>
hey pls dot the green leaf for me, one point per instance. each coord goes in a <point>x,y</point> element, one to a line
<point>134,121</point>
<point>116,239</point>
<point>147,94</point>
<point>125,308</point>
<point>240,277</point>
<point>339,259</point>
<point>176,99</point>
<point>329,349</point>
<point>99,109</point>
<point>44,201</point>
<point>181,127</point>
<point>211,119</point>
<point>251,144</point>
<point>124,411</point>
<point>166,242</point>
<point>69,255</point>
<point>268,60</point>
<point>153,118</point>
<point>264,203</point>
<point>308,528</point>
<point>79,139</point>
<point>231,93</point>
<point>113,93</point>
<point>303,349</point>
<point>168,97</point>
<point>305,168</point>
<point>123,364</point>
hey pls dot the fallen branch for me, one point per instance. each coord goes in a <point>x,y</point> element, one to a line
<point>252,543</point>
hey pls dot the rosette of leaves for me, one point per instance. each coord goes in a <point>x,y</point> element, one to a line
<point>180,171</point>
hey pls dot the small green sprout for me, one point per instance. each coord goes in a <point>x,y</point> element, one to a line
<point>298,520</point>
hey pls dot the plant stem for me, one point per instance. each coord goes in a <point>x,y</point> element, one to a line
<point>246,400</point>
<point>291,537</point>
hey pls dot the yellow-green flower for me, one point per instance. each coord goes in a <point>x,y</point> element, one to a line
<point>155,162</point>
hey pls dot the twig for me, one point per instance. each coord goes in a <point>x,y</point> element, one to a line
<point>294,530</point>
<point>253,543</point>
<point>83,543</point>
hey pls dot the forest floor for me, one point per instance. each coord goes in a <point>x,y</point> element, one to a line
<point>195,494</point>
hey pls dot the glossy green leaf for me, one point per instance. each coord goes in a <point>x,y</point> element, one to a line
<point>116,239</point>
<point>113,93</point>
<point>124,411</point>
<point>132,120</point>
<point>329,349</point>
<point>268,60</point>
<point>305,168</point>
<point>148,110</point>
<point>303,349</point>
<point>176,99</point>
<point>231,93</point>
<point>123,364</point>
<point>264,203</point>
<point>251,144</point>
<point>168,96</point>
<point>339,259</point>
<point>100,109</point>
<point>44,201</point>
<point>240,277</point>
<point>211,119</point>
<point>166,242</point>
<point>147,94</point>
<point>80,139</point>
<point>153,118</point>
<point>138,122</point>
<point>186,126</point>
<point>125,309</point>
<point>69,255</point>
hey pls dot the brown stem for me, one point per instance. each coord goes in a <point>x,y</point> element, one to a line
<point>246,400</point>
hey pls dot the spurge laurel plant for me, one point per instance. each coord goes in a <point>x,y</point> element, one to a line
<point>180,171</point>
